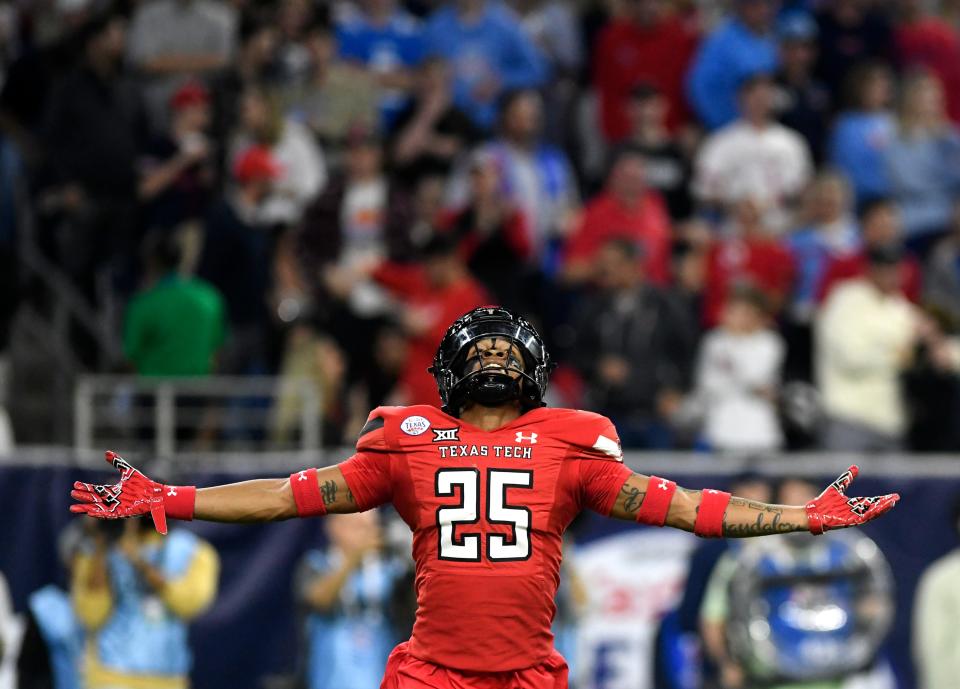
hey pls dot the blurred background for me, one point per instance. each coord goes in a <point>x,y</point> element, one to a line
<point>229,228</point>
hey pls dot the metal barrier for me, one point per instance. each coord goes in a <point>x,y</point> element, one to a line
<point>180,418</point>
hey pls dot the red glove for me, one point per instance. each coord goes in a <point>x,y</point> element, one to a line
<point>133,496</point>
<point>832,509</point>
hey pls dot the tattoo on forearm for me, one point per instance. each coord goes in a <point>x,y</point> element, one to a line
<point>762,526</point>
<point>350,496</point>
<point>328,491</point>
<point>632,498</point>
<point>754,505</point>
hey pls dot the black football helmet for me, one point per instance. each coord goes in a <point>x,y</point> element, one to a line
<point>459,381</point>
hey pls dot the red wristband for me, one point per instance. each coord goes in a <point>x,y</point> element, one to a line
<point>178,502</point>
<point>713,505</point>
<point>656,503</point>
<point>306,493</point>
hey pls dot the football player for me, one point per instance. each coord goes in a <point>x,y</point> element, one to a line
<point>487,484</point>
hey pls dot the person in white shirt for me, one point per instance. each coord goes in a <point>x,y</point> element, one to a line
<point>755,157</point>
<point>738,375</point>
<point>863,339</point>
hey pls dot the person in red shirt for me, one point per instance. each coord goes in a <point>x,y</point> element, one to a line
<point>432,292</point>
<point>647,43</point>
<point>879,227</point>
<point>488,483</point>
<point>626,209</point>
<point>925,40</point>
<point>748,255</point>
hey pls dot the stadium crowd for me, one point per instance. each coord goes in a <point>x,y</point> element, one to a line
<point>737,223</point>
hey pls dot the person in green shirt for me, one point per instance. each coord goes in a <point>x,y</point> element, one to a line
<point>177,324</point>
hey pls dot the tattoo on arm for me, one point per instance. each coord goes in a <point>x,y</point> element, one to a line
<point>633,498</point>
<point>328,491</point>
<point>763,526</point>
<point>350,496</point>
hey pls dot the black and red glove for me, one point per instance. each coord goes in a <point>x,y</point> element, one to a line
<point>832,509</point>
<point>133,496</point>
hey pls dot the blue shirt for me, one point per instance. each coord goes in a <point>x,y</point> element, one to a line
<point>924,173</point>
<point>812,253</point>
<point>728,56</point>
<point>856,148</point>
<point>398,44</point>
<point>494,48</point>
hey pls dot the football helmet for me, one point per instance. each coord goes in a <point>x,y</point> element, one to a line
<point>461,377</point>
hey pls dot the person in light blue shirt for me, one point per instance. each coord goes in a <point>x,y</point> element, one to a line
<point>346,589</point>
<point>489,54</point>
<point>740,47</point>
<point>862,133</point>
<point>923,159</point>
<point>388,42</point>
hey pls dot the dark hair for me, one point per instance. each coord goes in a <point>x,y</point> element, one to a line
<point>748,293</point>
<point>855,84</point>
<point>162,250</point>
<point>440,245</point>
<point>628,248</point>
<point>97,24</point>
<point>506,101</point>
<point>872,204</point>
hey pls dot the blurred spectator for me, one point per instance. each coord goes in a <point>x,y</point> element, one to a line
<point>863,336</point>
<point>741,47</point>
<point>295,20</point>
<point>627,210</point>
<point>746,252</point>
<point>802,102</point>
<point>923,160</point>
<point>830,233</point>
<point>176,325</point>
<point>493,235</point>
<point>336,97</point>
<point>489,52</point>
<point>360,219</point>
<point>634,346</point>
<point>176,172</point>
<point>932,387</point>
<point>936,646</point>
<point>754,157</point>
<point>171,40</point>
<point>880,226</point>
<point>302,171</point>
<point>941,274</point>
<point>346,589</point>
<point>430,133</point>
<point>738,376</point>
<point>666,165</point>
<point>135,592</point>
<point>926,40</point>
<point>749,486</point>
<point>432,293</point>
<point>386,41</point>
<point>645,44</point>
<point>237,256</point>
<point>536,176</point>
<point>863,130</point>
<point>851,32</point>
<point>93,133</point>
<point>256,63</point>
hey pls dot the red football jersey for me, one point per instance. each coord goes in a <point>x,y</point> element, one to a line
<point>488,511</point>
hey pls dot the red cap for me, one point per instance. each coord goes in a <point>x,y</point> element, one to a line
<point>257,162</point>
<point>191,93</point>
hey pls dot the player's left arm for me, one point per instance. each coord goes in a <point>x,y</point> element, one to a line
<point>712,513</point>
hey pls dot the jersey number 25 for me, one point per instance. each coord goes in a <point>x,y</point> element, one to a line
<point>465,545</point>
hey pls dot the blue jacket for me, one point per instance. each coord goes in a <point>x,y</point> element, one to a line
<point>494,47</point>
<point>856,148</point>
<point>728,55</point>
<point>61,631</point>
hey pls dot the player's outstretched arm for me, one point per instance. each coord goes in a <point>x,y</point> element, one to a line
<point>306,493</point>
<point>713,513</point>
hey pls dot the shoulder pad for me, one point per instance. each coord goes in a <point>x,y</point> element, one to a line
<point>386,426</point>
<point>593,434</point>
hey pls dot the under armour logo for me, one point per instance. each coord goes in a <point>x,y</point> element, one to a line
<point>303,476</point>
<point>662,485</point>
<point>532,438</point>
<point>172,492</point>
<point>711,490</point>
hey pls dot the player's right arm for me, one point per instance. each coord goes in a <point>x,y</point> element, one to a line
<point>360,483</point>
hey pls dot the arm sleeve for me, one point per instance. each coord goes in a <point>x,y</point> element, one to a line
<point>368,472</point>
<point>92,606</point>
<point>602,472</point>
<point>190,594</point>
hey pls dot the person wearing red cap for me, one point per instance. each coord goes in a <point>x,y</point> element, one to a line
<point>178,172</point>
<point>237,256</point>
